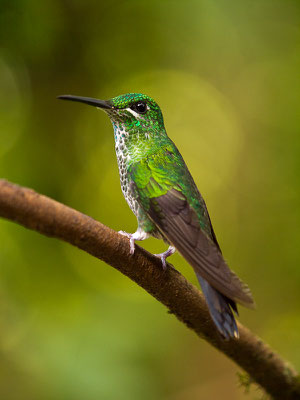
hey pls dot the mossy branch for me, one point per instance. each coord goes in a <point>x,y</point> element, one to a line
<point>47,216</point>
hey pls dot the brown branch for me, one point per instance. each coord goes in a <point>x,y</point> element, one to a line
<point>54,219</point>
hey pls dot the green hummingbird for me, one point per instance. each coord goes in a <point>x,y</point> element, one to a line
<point>162,194</point>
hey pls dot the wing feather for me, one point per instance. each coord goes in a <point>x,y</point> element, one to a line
<point>179,223</point>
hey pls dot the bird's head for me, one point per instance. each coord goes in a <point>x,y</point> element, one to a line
<point>130,113</point>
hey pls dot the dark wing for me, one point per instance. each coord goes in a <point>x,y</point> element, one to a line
<point>179,223</point>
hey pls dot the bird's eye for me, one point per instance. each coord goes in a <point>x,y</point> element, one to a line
<point>140,107</point>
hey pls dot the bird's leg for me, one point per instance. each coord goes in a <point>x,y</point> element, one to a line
<point>138,235</point>
<point>163,256</point>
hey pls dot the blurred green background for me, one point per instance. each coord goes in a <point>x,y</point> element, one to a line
<point>226,75</point>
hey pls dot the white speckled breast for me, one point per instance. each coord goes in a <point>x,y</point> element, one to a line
<point>123,158</point>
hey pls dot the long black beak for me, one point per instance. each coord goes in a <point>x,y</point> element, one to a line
<point>87,100</point>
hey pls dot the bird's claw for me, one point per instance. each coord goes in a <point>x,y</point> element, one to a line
<point>163,256</point>
<point>131,240</point>
<point>163,260</point>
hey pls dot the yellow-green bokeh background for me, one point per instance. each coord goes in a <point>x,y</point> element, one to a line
<point>227,76</point>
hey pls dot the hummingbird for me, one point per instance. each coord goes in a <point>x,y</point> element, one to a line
<point>162,194</point>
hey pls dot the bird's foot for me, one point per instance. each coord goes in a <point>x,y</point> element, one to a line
<point>138,235</point>
<point>163,256</point>
<point>131,240</point>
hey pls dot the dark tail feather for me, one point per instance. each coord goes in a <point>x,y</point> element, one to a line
<point>220,308</point>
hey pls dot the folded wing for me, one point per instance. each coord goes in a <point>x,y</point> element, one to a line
<point>179,223</point>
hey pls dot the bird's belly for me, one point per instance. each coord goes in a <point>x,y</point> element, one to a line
<point>125,186</point>
<point>129,196</point>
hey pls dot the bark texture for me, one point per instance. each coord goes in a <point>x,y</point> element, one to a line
<point>47,216</point>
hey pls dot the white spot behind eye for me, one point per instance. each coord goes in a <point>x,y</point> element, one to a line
<point>135,114</point>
